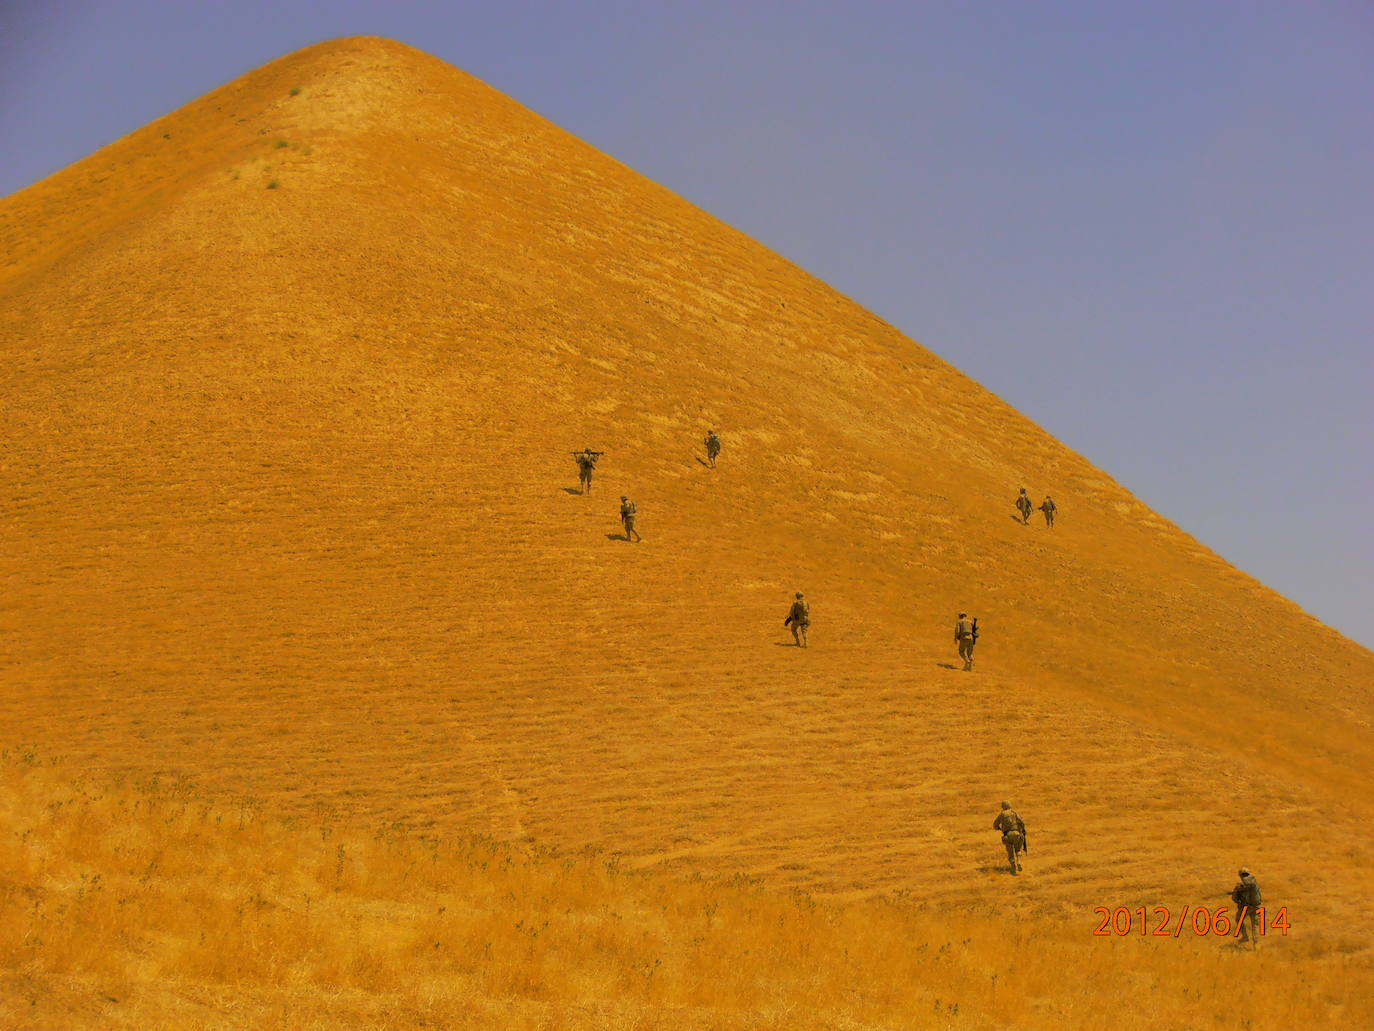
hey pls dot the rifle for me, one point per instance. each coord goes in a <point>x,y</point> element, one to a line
<point>1025,840</point>
<point>575,454</point>
<point>975,629</point>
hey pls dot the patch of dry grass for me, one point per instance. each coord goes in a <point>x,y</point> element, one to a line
<point>144,904</point>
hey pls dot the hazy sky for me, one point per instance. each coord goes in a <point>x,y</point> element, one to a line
<point>1147,225</point>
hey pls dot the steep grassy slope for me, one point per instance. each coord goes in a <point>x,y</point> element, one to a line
<point>290,381</point>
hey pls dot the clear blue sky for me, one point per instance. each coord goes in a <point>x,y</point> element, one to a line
<point>1147,225</point>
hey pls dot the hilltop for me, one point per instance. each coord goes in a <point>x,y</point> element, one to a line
<point>291,379</point>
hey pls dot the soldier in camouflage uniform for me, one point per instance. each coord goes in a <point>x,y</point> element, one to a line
<point>1246,895</point>
<point>966,633</point>
<point>628,509</point>
<point>1048,508</point>
<point>586,462</point>
<point>1024,506</point>
<point>1013,835</point>
<point>712,447</point>
<point>799,619</point>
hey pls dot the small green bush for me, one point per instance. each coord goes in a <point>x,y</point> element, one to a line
<point>295,90</point>
<point>281,143</point>
<point>273,184</point>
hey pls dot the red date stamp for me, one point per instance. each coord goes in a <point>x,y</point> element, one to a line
<point>1163,922</point>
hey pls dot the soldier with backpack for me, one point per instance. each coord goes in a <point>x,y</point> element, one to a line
<point>1048,509</point>
<point>966,634</point>
<point>1024,506</point>
<point>712,447</point>
<point>627,518</point>
<point>799,619</point>
<point>1013,830</point>
<point>1246,895</point>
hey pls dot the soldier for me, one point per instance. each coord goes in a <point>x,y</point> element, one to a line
<point>1024,506</point>
<point>966,633</point>
<point>627,519</point>
<point>799,619</point>
<point>712,447</point>
<point>1048,509</point>
<point>1246,895</point>
<point>1013,830</point>
<point>586,462</point>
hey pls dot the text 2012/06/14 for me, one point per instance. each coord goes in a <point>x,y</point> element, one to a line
<point>1163,923</point>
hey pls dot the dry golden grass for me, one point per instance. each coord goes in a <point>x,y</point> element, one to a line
<point>286,512</point>
<point>146,905</point>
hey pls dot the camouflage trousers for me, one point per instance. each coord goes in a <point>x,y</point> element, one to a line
<point>966,651</point>
<point>1247,934</point>
<point>1013,841</point>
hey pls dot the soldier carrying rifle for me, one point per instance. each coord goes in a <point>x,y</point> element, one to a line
<point>1246,895</point>
<point>712,447</point>
<point>799,619</point>
<point>1013,830</point>
<point>586,462</point>
<point>966,636</point>
<point>628,511</point>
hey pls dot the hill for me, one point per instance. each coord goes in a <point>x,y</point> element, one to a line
<point>291,379</point>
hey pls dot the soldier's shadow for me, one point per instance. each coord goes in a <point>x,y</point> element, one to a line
<point>946,665</point>
<point>616,537</point>
<point>1017,520</point>
<point>703,461</point>
<point>571,490</point>
<point>996,868</point>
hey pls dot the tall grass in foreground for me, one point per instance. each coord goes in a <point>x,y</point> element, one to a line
<point>145,905</point>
